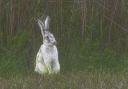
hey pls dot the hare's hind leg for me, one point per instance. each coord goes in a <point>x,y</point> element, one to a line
<point>40,65</point>
<point>41,68</point>
<point>55,66</point>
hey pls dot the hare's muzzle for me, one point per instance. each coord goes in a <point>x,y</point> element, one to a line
<point>54,43</point>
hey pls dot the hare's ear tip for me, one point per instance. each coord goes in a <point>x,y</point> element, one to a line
<point>38,20</point>
<point>48,17</point>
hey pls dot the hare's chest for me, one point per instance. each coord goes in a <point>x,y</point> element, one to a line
<point>49,52</point>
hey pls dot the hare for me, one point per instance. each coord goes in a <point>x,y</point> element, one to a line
<point>47,57</point>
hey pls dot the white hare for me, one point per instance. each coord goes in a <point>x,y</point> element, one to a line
<point>47,57</point>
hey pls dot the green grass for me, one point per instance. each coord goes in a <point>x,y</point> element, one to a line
<point>69,80</point>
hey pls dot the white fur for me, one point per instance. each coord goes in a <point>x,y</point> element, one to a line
<point>47,57</point>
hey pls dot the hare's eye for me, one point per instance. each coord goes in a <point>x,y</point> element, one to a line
<point>47,38</point>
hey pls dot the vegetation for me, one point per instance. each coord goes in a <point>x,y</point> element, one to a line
<point>70,80</point>
<point>92,40</point>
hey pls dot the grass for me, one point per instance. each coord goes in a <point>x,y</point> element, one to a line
<point>69,80</point>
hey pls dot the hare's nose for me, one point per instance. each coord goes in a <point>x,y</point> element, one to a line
<point>55,43</point>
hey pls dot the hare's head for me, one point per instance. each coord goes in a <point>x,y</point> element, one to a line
<point>48,37</point>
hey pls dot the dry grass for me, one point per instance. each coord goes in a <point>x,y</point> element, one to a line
<point>81,80</point>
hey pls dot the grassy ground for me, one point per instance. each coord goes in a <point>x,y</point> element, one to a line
<point>69,80</point>
<point>84,70</point>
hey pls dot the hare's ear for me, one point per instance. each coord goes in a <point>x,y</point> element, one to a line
<point>41,25</point>
<point>47,21</point>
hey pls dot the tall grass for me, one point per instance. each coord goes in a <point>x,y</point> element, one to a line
<point>71,80</point>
